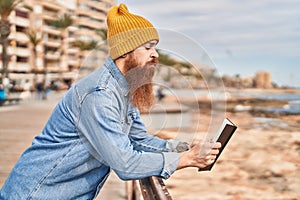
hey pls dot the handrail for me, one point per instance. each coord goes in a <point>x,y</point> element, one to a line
<point>150,188</point>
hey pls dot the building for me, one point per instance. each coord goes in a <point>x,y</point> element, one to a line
<point>54,57</point>
<point>263,80</point>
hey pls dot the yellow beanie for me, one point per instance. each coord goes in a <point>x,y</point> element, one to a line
<point>127,31</point>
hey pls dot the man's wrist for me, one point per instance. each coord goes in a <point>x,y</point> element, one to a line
<point>184,161</point>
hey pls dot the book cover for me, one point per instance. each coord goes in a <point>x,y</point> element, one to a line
<point>223,136</point>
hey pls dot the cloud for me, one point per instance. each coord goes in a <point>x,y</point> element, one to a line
<point>238,25</point>
<point>243,28</point>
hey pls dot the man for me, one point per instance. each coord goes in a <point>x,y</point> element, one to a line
<point>96,127</point>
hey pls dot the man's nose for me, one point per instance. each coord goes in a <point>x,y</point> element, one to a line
<point>154,53</point>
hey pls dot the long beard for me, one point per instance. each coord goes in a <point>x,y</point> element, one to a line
<point>139,79</point>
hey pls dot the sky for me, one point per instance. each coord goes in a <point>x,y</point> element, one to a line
<point>240,37</point>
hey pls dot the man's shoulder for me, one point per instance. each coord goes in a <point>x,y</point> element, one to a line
<point>100,79</point>
<point>94,79</point>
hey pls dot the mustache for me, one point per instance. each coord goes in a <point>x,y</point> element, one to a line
<point>153,61</point>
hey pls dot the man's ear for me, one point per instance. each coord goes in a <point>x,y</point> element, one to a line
<point>120,61</point>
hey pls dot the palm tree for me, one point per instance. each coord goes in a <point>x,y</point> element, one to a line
<point>34,40</point>
<point>6,7</point>
<point>63,22</point>
<point>84,47</point>
<point>103,34</point>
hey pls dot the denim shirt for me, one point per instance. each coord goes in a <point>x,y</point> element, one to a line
<point>94,129</point>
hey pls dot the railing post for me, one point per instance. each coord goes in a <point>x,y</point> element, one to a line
<point>160,188</point>
<point>150,188</point>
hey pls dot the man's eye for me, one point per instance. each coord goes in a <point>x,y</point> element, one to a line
<point>147,48</point>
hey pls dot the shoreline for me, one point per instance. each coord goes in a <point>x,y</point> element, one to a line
<point>265,90</point>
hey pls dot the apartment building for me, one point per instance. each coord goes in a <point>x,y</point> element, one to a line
<point>54,57</point>
<point>91,18</point>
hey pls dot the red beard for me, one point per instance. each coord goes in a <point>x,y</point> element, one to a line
<point>139,80</point>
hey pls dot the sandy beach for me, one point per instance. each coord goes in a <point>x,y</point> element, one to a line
<point>261,161</point>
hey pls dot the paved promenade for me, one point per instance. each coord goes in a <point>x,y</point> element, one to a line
<point>20,123</point>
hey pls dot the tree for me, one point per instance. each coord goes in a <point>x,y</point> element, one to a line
<point>63,22</point>
<point>85,46</point>
<point>6,7</point>
<point>102,33</point>
<point>34,40</point>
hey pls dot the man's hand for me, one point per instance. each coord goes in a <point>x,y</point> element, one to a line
<point>200,155</point>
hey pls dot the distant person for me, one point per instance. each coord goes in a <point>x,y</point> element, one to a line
<point>54,85</point>
<point>39,89</point>
<point>96,127</point>
<point>2,95</point>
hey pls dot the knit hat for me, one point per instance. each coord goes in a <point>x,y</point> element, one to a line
<point>127,31</point>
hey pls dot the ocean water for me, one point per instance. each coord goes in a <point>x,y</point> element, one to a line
<point>293,106</point>
<point>283,96</point>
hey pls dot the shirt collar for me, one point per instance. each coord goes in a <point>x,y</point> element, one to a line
<point>117,74</point>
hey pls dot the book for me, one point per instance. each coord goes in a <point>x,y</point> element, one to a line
<point>223,136</point>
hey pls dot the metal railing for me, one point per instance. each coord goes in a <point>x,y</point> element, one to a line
<point>151,188</point>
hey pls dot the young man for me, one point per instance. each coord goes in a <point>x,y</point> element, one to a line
<point>96,127</point>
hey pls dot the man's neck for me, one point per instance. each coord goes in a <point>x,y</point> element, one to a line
<point>120,63</point>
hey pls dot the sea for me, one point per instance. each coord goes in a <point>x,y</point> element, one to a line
<point>292,107</point>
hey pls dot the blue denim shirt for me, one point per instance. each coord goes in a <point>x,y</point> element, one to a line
<point>94,129</point>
